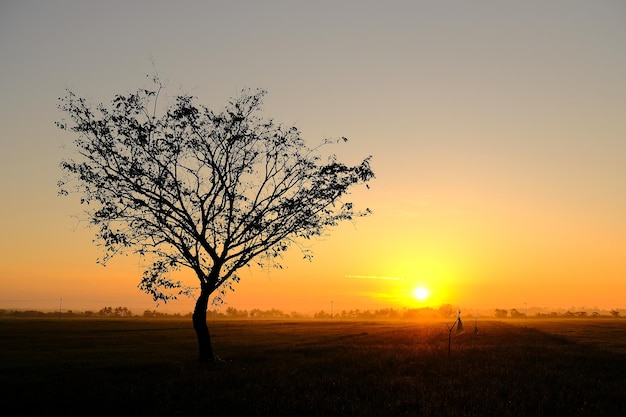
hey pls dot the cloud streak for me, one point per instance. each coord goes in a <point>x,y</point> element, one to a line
<point>375,277</point>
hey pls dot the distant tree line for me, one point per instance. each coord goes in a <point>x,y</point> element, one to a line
<point>515,314</point>
<point>444,311</point>
<point>104,312</point>
<point>230,313</point>
<point>115,312</point>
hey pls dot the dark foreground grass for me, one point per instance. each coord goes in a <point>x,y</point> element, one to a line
<point>148,368</point>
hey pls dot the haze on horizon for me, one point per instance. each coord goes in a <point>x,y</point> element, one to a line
<point>497,132</point>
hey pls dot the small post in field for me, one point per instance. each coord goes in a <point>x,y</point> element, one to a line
<point>459,329</point>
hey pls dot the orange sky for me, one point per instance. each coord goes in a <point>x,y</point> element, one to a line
<point>497,132</point>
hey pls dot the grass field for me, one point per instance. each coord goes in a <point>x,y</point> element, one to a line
<point>144,367</point>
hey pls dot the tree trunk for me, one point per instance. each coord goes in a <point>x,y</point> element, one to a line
<point>201,328</point>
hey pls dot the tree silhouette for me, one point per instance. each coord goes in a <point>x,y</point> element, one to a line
<point>210,191</point>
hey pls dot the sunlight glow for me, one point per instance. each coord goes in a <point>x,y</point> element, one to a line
<point>421,293</point>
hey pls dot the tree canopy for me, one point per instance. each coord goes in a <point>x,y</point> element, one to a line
<point>211,191</point>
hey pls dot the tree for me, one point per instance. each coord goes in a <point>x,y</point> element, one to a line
<point>447,310</point>
<point>501,313</point>
<point>516,314</point>
<point>193,188</point>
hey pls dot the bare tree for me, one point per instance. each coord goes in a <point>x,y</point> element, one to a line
<point>210,191</point>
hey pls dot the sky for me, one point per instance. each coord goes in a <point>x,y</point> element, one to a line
<point>497,132</point>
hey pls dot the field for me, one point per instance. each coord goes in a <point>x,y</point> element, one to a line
<point>147,367</point>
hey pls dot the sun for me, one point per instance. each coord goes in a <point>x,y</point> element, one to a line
<point>421,293</point>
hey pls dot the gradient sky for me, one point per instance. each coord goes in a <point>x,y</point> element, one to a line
<point>498,131</point>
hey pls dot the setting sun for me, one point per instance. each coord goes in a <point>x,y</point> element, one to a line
<point>421,293</point>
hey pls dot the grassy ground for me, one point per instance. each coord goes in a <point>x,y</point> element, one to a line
<point>603,333</point>
<point>148,368</point>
